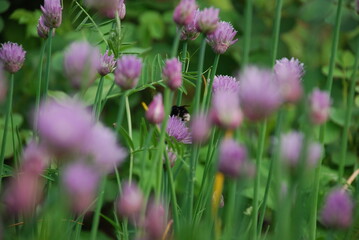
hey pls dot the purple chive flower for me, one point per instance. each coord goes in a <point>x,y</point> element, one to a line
<point>103,147</point>
<point>42,29</point>
<point>156,111</point>
<point>107,64</point>
<point>232,158</point>
<point>222,38</point>
<point>35,158</point>
<point>225,111</point>
<point>172,73</point>
<point>80,182</point>
<point>259,94</point>
<point>185,12</point>
<point>52,12</point>
<point>189,31</point>
<point>177,129</point>
<point>3,85</point>
<point>64,125</point>
<point>128,71</point>
<point>291,145</point>
<point>81,62</point>
<point>225,83</point>
<point>319,104</point>
<point>130,203</point>
<point>172,157</point>
<point>23,193</point>
<point>155,221</point>
<point>12,56</point>
<point>108,8</point>
<point>207,20</point>
<point>337,211</point>
<point>289,75</point>
<point>200,128</point>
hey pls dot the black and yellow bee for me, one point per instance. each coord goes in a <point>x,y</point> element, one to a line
<point>181,112</point>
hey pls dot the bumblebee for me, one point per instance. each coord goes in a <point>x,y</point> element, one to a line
<point>181,112</point>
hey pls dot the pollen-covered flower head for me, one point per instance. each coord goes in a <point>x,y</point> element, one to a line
<point>177,129</point>
<point>128,71</point>
<point>289,74</point>
<point>259,93</point>
<point>64,125</point>
<point>337,211</point>
<point>207,20</point>
<point>189,31</point>
<point>81,62</point>
<point>107,64</point>
<point>12,55</point>
<point>42,29</point>
<point>80,182</point>
<point>156,111</point>
<point>319,104</point>
<point>172,73</point>
<point>232,158</point>
<point>184,13</point>
<point>222,38</point>
<point>52,12</point>
<point>225,110</point>
<point>225,83</point>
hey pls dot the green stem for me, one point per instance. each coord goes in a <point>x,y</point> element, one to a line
<point>348,115</point>
<point>191,180</point>
<point>7,117</point>
<point>230,213</point>
<point>143,155</point>
<point>38,92</point>
<point>276,30</point>
<point>98,98</point>
<point>247,32</point>
<point>48,63</point>
<point>121,111</point>
<point>176,43</point>
<point>197,95</point>
<point>129,122</point>
<point>208,92</point>
<point>106,98</point>
<point>96,218</point>
<point>184,52</point>
<point>335,39</point>
<point>257,180</point>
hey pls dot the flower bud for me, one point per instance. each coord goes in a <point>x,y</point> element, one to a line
<point>107,64</point>
<point>42,29</point>
<point>35,158</point>
<point>155,222</point>
<point>130,203</point>
<point>200,128</point>
<point>12,56</point>
<point>156,111</point>
<point>232,158</point>
<point>52,12</point>
<point>128,71</point>
<point>185,12</point>
<point>319,104</point>
<point>172,73</point>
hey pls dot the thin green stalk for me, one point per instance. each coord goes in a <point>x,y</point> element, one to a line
<point>143,155</point>
<point>276,30</point>
<point>208,92</point>
<point>38,92</point>
<point>96,218</point>
<point>97,98</point>
<point>257,180</point>
<point>102,105</point>
<point>197,95</point>
<point>7,117</point>
<point>230,213</point>
<point>173,195</point>
<point>247,32</point>
<point>335,40</point>
<point>121,111</point>
<point>176,43</point>
<point>191,180</point>
<point>129,122</point>
<point>184,53</point>
<point>348,114</point>
<point>48,63</point>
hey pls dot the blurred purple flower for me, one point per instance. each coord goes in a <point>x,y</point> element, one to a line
<point>172,157</point>
<point>81,62</point>
<point>337,211</point>
<point>130,203</point>
<point>64,125</point>
<point>177,129</point>
<point>102,145</point>
<point>289,75</point>
<point>35,158</point>
<point>108,8</point>
<point>291,145</point>
<point>128,71</point>
<point>156,111</point>
<point>225,83</point>
<point>42,29</point>
<point>80,182</point>
<point>319,104</point>
<point>225,110</point>
<point>200,128</point>
<point>185,12</point>
<point>172,73</point>
<point>222,38</point>
<point>189,31</point>
<point>52,12</point>
<point>12,56</point>
<point>207,20</point>
<point>259,94</point>
<point>155,221</point>
<point>232,158</point>
<point>107,64</point>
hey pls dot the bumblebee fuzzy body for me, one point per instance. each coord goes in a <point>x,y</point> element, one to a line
<point>181,112</point>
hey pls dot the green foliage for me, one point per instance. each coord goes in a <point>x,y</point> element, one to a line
<point>27,18</point>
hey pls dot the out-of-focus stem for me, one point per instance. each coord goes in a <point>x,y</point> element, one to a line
<point>197,95</point>
<point>208,92</point>
<point>247,32</point>
<point>96,218</point>
<point>48,63</point>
